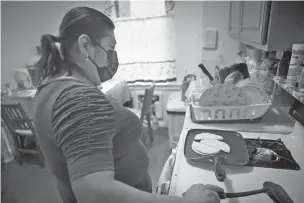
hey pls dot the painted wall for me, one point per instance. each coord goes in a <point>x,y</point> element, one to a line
<point>191,17</point>
<point>22,25</point>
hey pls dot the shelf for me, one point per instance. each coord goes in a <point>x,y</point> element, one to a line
<point>292,90</point>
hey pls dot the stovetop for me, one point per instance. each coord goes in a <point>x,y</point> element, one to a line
<point>270,154</point>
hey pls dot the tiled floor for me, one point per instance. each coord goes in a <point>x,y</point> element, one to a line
<point>30,184</point>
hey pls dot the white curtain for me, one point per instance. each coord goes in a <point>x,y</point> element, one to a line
<point>146,48</point>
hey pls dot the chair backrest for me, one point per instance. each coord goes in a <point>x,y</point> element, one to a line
<point>15,117</point>
<point>147,103</point>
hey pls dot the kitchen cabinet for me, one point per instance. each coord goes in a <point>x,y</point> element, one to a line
<point>270,26</point>
<point>254,16</point>
<point>234,20</point>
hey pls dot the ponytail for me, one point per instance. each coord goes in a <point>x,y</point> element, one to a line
<point>51,61</point>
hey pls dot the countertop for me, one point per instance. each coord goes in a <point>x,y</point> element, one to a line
<point>175,104</point>
<point>241,178</point>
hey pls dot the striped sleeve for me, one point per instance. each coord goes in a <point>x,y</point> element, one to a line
<point>84,126</point>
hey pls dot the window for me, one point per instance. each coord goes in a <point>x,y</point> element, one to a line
<point>138,9</point>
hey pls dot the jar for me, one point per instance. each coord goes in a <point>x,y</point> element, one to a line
<point>296,58</point>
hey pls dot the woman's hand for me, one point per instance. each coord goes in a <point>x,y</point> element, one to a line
<point>203,193</point>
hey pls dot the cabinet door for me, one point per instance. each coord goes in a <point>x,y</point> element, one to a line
<point>254,21</point>
<point>234,18</point>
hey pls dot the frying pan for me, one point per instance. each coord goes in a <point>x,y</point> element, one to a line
<point>274,191</point>
<point>238,151</point>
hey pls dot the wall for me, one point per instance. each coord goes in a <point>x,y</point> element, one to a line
<point>23,23</point>
<point>191,17</point>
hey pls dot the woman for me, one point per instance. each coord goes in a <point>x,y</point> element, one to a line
<point>91,143</point>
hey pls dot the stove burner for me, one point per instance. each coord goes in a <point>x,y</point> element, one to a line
<point>270,154</point>
<point>265,155</point>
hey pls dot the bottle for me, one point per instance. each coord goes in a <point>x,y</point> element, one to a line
<point>184,87</point>
<point>296,57</point>
<point>217,79</point>
<point>283,65</point>
<point>300,71</point>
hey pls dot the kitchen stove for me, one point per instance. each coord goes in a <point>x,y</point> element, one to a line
<point>270,154</point>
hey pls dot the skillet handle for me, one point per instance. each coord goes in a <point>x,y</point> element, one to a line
<point>220,172</point>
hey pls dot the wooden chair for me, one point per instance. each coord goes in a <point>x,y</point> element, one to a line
<point>22,130</point>
<point>145,113</point>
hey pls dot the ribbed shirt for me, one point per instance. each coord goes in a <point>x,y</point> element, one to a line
<point>82,131</point>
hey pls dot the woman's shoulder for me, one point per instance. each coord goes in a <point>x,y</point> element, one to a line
<point>60,83</point>
<point>64,84</point>
<point>64,90</point>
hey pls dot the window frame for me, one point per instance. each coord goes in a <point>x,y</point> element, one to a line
<point>112,6</point>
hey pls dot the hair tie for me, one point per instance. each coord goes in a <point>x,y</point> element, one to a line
<point>56,39</point>
<point>59,39</point>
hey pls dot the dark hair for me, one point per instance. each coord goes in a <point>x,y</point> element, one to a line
<point>77,21</point>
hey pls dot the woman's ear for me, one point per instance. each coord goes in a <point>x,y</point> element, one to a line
<point>83,43</point>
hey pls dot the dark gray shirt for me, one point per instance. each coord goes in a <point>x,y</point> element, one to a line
<point>81,131</point>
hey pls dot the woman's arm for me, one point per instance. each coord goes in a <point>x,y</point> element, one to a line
<point>100,187</point>
<point>84,126</point>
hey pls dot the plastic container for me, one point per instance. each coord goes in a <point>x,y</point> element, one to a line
<point>301,82</point>
<point>296,58</point>
<point>300,71</point>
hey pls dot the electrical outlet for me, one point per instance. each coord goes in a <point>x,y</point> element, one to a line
<point>210,38</point>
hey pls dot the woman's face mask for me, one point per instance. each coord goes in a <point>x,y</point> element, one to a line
<point>107,72</point>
